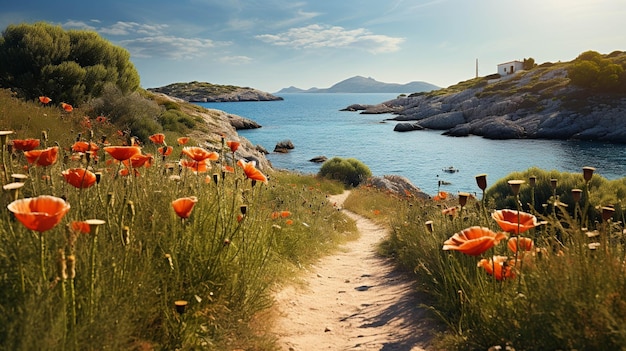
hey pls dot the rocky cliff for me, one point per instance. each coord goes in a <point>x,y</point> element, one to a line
<point>536,104</point>
<point>207,92</point>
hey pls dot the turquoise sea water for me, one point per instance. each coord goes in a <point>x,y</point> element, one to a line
<point>316,127</point>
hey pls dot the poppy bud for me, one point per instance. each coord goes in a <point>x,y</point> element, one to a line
<point>243,209</point>
<point>515,185</point>
<point>553,183</point>
<point>576,194</point>
<point>98,177</point>
<point>588,173</point>
<point>481,181</point>
<point>532,180</point>
<point>429,226</point>
<point>607,213</point>
<point>180,306</point>
<point>216,177</point>
<point>463,198</point>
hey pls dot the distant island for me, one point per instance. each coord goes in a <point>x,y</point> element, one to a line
<point>207,92</point>
<point>359,84</point>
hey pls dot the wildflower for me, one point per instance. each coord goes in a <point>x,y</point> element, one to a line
<point>233,145</point>
<point>184,205</point>
<point>67,107</point>
<point>473,241</point>
<point>251,171</point>
<point>79,177</point>
<point>196,166</point>
<point>228,169</point>
<point>83,146</point>
<point>101,119</point>
<point>139,160</point>
<point>40,213</point>
<point>44,157</point>
<point>450,211</point>
<point>182,140</point>
<point>289,222</point>
<point>498,266</point>
<point>514,221</point>
<point>199,154</point>
<point>481,181</point>
<point>442,195</point>
<point>45,100</point>
<point>25,144</point>
<point>521,243</point>
<point>122,153</point>
<point>158,138</point>
<point>80,227</point>
<point>165,150</point>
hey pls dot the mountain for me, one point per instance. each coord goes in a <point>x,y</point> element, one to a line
<point>207,92</point>
<point>360,84</point>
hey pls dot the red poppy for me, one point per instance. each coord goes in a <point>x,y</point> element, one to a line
<point>182,140</point>
<point>83,146</point>
<point>184,205</point>
<point>158,138</point>
<point>200,167</point>
<point>500,265</point>
<point>67,107</point>
<point>233,145</point>
<point>473,241</point>
<point>228,169</point>
<point>165,150</point>
<point>125,172</point>
<point>25,144</point>
<point>101,119</point>
<point>79,177</point>
<point>44,157</point>
<point>251,171</point>
<point>40,213</point>
<point>289,222</point>
<point>199,154</point>
<point>81,227</point>
<point>511,221</point>
<point>122,153</point>
<point>44,100</point>
<point>524,244</point>
<point>139,160</point>
<point>442,195</point>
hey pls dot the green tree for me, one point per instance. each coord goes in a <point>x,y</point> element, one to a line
<point>349,171</point>
<point>529,63</point>
<point>71,66</point>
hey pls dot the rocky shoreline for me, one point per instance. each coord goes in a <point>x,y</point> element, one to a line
<point>535,104</point>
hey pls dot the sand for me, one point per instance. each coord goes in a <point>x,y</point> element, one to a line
<point>352,300</point>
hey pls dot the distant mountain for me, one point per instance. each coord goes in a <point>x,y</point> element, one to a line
<point>360,84</point>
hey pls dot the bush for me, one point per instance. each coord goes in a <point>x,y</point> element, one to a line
<point>349,171</point>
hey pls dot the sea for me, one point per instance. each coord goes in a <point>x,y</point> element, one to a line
<point>315,125</point>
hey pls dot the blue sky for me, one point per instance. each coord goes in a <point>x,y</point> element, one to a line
<point>273,44</point>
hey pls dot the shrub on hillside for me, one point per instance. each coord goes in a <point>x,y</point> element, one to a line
<point>349,171</point>
<point>71,66</point>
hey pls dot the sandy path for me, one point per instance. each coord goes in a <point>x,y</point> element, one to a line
<point>352,300</point>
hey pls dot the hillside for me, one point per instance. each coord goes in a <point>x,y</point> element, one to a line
<point>361,85</point>
<point>540,103</point>
<point>207,92</point>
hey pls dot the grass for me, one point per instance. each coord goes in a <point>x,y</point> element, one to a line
<point>146,278</point>
<point>567,293</point>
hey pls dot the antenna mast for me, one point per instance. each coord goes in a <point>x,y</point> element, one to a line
<point>476,68</point>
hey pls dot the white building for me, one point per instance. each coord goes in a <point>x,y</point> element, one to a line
<point>507,68</point>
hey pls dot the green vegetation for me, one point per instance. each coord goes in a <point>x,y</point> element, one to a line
<point>566,292</point>
<point>351,171</point>
<point>195,88</point>
<point>67,66</point>
<point>595,72</point>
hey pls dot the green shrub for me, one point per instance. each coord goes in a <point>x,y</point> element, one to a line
<point>349,171</point>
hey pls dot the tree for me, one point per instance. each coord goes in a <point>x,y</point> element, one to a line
<point>349,171</point>
<point>71,66</point>
<point>529,63</point>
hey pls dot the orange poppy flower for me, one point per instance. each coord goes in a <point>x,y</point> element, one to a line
<point>25,144</point>
<point>508,221</point>
<point>79,177</point>
<point>473,241</point>
<point>40,213</point>
<point>124,172</point>
<point>81,227</point>
<point>233,145</point>
<point>67,107</point>
<point>228,169</point>
<point>184,205</point>
<point>199,154</point>
<point>122,153</point>
<point>524,244</point>
<point>442,195</point>
<point>139,160</point>
<point>166,150</point>
<point>83,146</point>
<point>182,140</point>
<point>158,138</point>
<point>289,222</point>
<point>251,171</point>
<point>44,157</point>
<point>44,100</point>
<point>200,166</point>
<point>285,214</point>
<point>499,266</point>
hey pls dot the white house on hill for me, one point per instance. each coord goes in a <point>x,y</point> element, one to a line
<point>510,67</point>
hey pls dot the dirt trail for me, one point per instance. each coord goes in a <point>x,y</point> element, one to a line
<point>352,300</point>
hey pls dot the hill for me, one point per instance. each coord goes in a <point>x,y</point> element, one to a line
<point>207,92</point>
<point>540,103</point>
<point>360,84</point>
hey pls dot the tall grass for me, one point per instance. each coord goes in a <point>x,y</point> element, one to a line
<point>568,293</point>
<point>141,277</point>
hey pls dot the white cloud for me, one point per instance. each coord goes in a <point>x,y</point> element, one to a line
<point>317,36</point>
<point>71,24</point>
<point>128,28</point>
<point>235,60</point>
<point>168,47</point>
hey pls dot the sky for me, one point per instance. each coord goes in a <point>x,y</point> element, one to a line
<point>274,44</point>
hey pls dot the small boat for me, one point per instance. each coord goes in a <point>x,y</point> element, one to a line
<point>450,170</point>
